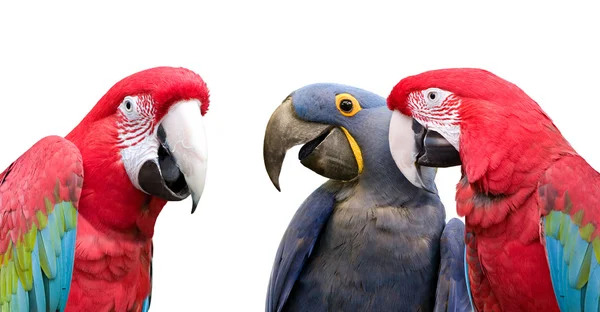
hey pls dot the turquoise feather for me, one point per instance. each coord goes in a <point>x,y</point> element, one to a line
<point>21,298</point>
<point>569,257</point>
<point>68,257</point>
<point>57,242</point>
<point>467,279</point>
<point>591,302</point>
<point>146,305</point>
<point>37,295</point>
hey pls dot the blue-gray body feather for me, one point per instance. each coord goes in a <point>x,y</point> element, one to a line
<point>372,244</point>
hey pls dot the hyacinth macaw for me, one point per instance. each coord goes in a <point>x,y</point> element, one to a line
<point>102,186</point>
<point>367,239</point>
<point>530,201</point>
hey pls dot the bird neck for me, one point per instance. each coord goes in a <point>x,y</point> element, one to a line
<point>504,150</point>
<point>109,201</point>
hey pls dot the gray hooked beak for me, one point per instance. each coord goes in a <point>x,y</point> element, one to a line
<point>180,168</point>
<point>413,146</point>
<point>327,151</point>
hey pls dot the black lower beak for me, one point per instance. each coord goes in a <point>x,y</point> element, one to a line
<point>161,177</point>
<point>330,155</point>
<point>434,149</point>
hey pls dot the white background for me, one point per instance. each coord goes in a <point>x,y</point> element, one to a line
<point>57,60</point>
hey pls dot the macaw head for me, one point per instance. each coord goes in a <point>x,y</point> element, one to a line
<point>144,144</point>
<point>467,117</point>
<point>344,131</point>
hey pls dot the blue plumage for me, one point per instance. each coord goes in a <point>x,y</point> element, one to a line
<point>20,299</point>
<point>37,295</point>
<point>466,270</point>
<point>297,244</point>
<point>48,292</point>
<point>572,262</point>
<point>38,268</point>
<point>67,260</point>
<point>373,243</point>
<point>146,305</point>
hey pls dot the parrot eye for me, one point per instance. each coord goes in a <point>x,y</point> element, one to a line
<point>128,104</point>
<point>347,104</point>
<point>434,96</point>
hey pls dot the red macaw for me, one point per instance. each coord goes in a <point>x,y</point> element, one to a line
<point>530,201</point>
<point>77,214</point>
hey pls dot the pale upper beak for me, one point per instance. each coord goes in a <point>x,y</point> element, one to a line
<point>180,169</point>
<point>413,146</point>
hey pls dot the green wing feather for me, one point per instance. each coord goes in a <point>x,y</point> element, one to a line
<point>569,201</point>
<point>39,194</point>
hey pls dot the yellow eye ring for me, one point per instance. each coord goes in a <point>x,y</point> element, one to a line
<point>347,104</point>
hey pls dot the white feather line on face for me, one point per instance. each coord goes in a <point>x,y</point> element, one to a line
<point>138,143</point>
<point>441,116</point>
<point>134,156</point>
<point>450,132</point>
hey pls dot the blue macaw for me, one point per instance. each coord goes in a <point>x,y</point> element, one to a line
<point>367,239</point>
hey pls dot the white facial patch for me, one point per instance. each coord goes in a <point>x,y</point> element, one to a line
<point>137,142</point>
<point>185,139</point>
<point>441,110</point>
<point>450,132</point>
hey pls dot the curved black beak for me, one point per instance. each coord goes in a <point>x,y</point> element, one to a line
<point>433,149</point>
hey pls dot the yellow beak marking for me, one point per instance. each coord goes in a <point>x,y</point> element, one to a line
<point>355,150</point>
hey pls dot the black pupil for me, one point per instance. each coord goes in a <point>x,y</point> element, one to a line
<point>346,105</point>
<point>128,105</point>
<point>432,95</point>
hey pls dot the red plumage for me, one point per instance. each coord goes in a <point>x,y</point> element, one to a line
<point>507,144</point>
<point>116,220</point>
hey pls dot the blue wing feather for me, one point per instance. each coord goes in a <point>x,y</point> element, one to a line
<point>593,287</point>
<point>51,294</point>
<point>572,262</point>
<point>37,296</point>
<point>297,244</point>
<point>452,292</point>
<point>466,268</point>
<point>38,267</point>
<point>567,196</point>
<point>68,243</point>
<point>20,299</point>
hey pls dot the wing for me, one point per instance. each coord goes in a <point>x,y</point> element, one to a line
<point>297,244</point>
<point>569,201</point>
<point>146,305</point>
<point>452,293</point>
<point>39,194</point>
